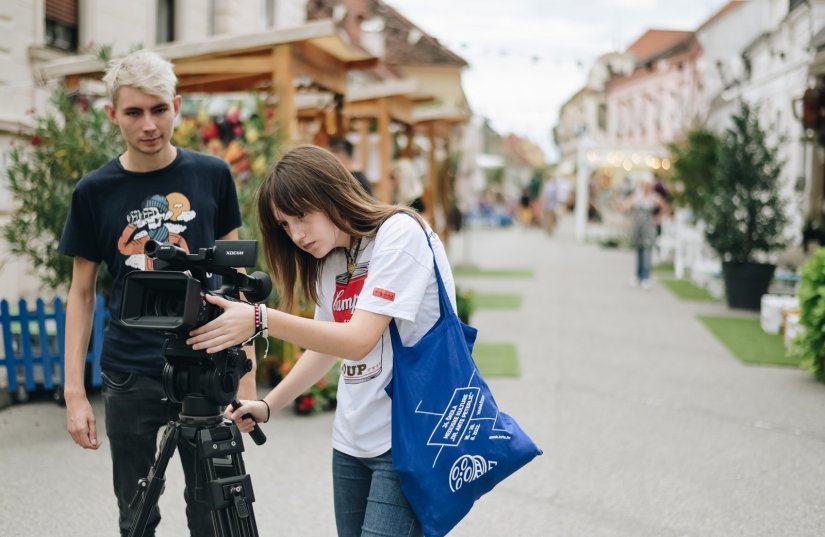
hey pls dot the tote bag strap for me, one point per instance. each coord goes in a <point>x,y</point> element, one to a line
<point>444,303</point>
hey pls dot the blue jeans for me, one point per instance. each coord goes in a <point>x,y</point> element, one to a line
<point>644,261</point>
<point>368,498</point>
<point>135,411</point>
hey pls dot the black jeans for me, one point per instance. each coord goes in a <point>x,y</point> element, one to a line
<point>135,411</point>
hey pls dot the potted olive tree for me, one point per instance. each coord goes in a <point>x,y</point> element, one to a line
<point>745,214</point>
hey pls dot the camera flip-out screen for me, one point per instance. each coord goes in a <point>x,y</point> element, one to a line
<point>161,300</point>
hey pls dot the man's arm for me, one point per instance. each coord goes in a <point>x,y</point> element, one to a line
<point>247,388</point>
<point>80,418</point>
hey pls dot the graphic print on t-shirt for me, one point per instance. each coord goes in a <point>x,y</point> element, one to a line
<point>159,218</point>
<point>347,289</point>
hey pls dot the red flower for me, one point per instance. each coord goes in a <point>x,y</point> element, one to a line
<point>306,403</point>
<point>36,140</point>
<point>209,131</point>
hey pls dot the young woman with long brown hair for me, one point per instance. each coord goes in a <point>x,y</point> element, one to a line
<point>363,263</point>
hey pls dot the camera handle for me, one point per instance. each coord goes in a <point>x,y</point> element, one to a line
<point>257,435</point>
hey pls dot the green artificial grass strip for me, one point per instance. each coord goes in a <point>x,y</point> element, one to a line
<point>686,290</point>
<point>663,268</point>
<point>746,340</point>
<point>464,270</point>
<point>496,301</point>
<point>497,359</point>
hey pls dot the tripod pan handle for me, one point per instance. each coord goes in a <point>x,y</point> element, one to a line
<point>257,435</point>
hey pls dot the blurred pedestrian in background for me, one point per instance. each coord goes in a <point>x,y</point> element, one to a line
<point>342,148</point>
<point>409,186</point>
<point>535,186</point>
<point>646,208</point>
<point>564,195</point>
<point>525,215</point>
<point>660,189</point>
<point>549,204</point>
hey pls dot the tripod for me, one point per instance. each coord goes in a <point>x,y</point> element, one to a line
<point>222,479</point>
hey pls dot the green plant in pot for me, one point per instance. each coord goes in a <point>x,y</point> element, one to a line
<point>694,158</point>
<point>745,214</point>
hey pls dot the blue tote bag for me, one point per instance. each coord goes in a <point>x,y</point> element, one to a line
<point>450,442</point>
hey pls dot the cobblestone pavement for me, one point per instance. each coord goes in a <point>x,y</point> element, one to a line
<point>650,427</point>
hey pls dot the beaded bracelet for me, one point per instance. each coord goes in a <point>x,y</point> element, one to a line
<point>261,327</point>
<point>257,319</point>
<point>258,328</point>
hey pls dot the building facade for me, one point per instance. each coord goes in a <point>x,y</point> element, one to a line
<point>35,32</point>
<point>584,115</point>
<point>762,52</point>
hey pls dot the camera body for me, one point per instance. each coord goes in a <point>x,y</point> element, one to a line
<point>172,301</point>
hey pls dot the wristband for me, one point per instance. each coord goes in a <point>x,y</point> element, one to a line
<point>267,409</point>
<point>264,321</point>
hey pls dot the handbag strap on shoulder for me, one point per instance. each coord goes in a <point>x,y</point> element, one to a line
<point>445,305</point>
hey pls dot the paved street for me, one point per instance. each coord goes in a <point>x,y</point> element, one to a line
<point>650,427</point>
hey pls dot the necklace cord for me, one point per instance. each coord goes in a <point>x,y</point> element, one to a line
<point>352,255</point>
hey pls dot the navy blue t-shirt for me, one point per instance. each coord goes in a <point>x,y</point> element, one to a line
<point>189,203</point>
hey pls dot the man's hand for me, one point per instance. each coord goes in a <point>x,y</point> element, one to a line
<point>80,422</point>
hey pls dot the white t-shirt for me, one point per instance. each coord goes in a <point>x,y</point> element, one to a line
<point>394,276</point>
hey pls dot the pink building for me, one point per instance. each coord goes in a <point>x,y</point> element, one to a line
<point>661,97</point>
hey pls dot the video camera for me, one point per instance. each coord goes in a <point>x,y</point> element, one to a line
<point>171,300</point>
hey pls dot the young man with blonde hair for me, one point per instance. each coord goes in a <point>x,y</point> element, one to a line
<point>153,190</point>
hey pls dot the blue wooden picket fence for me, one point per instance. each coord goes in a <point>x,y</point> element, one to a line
<point>34,344</point>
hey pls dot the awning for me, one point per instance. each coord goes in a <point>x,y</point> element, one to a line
<point>239,62</point>
<point>269,60</point>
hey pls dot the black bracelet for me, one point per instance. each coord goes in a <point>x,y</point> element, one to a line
<point>267,409</point>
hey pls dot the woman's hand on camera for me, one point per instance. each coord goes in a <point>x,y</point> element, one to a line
<point>257,409</point>
<point>232,327</point>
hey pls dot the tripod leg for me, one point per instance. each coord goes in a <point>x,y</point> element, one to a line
<point>151,487</point>
<point>230,493</point>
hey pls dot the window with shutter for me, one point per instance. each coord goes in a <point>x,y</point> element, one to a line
<point>61,24</point>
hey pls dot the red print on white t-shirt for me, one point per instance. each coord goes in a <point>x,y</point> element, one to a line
<point>347,289</point>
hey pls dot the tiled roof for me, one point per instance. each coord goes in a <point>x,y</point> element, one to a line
<point>653,42</point>
<point>522,151</point>
<point>407,44</point>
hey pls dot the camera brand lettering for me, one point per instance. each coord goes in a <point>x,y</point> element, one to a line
<point>235,252</point>
<point>467,469</point>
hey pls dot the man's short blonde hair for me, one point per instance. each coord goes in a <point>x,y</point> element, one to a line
<point>143,70</point>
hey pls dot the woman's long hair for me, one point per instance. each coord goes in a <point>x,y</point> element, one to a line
<point>309,178</point>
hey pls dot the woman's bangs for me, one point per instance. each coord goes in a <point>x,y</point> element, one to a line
<point>291,199</point>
